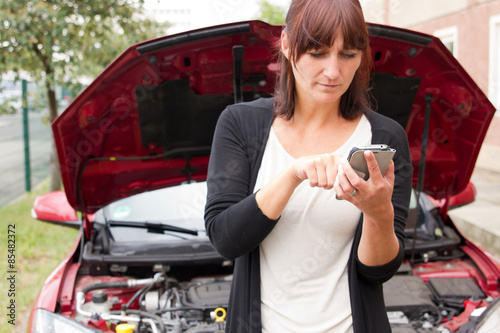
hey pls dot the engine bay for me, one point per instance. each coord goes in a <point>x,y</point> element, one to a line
<point>440,287</point>
<point>426,297</point>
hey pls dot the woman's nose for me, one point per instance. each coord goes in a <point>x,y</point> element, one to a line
<point>332,69</point>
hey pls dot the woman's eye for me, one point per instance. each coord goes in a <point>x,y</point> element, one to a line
<point>316,54</point>
<point>348,55</point>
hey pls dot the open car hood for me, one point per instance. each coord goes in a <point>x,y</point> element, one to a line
<point>147,121</point>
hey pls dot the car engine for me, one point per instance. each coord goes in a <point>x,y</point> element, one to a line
<point>443,303</point>
<point>158,304</point>
<point>427,297</point>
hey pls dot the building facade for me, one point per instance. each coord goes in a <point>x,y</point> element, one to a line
<point>469,28</point>
<point>471,31</point>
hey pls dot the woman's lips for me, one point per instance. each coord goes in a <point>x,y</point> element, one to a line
<point>329,86</point>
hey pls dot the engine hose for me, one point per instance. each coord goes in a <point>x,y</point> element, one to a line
<point>143,295</point>
<point>139,292</point>
<point>140,313</point>
<point>104,285</point>
<point>80,295</point>
<point>123,284</point>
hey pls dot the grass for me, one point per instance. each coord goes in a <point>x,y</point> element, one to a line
<point>39,247</point>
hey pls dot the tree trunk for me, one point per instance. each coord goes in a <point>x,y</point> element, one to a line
<point>55,171</point>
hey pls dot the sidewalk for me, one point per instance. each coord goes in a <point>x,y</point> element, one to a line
<point>480,220</point>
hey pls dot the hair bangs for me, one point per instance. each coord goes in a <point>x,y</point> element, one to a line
<point>319,28</point>
<point>353,27</point>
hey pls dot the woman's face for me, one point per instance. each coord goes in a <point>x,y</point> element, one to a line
<point>324,75</point>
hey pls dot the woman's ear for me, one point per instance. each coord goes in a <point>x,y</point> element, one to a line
<point>285,49</point>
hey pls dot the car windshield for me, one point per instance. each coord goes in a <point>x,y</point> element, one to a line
<point>180,206</point>
<point>165,223</point>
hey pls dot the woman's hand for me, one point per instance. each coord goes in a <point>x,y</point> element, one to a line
<point>372,197</point>
<point>319,170</point>
<point>378,244</point>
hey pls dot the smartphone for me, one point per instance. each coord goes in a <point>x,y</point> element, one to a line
<point>383,155</point>
<point>356,158</point>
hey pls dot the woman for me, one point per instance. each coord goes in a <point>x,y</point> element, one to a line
<point>305,261</point>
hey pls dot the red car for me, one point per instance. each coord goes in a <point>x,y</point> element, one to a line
<point>134,148</point>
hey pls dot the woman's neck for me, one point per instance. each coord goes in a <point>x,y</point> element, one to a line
<point>317,115</point>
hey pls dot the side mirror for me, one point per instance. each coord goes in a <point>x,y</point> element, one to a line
<point>53,207</point>
<point>465,197</point>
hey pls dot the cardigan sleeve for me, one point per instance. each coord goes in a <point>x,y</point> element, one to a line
<point>387,131</point>
<point>234,222</point>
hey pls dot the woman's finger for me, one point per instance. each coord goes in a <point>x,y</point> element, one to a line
<point>373,167</point>
<point>331,170</point>
<point>389,173</point>
<point>320,164</point>
<point>319,170</point>
<point>344,184</point>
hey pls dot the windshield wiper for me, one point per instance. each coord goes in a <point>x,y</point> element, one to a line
<point>156,227</point>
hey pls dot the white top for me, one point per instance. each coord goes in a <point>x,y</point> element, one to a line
<point>303,261</point>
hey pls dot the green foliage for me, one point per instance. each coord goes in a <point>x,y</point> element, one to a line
<point>7,104</point>
<point>66,41</point>
<point>37,100</point>
<point>271,14</point>
<point>59,41</point>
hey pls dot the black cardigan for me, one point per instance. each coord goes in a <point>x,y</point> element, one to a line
<point>236,226</point>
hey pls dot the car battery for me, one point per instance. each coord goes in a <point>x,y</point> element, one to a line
<point>454,291</point>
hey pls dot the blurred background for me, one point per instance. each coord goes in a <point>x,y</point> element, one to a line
<point>50,50</point>
<point>59,47</point>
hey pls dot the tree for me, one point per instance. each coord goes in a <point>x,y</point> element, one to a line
<point>270,13</point>
<point>7,105</point>
<point>60,41</point>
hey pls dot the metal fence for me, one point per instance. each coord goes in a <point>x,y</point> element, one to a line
<point>25,146</point>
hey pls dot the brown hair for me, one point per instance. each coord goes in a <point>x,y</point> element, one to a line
<point>311,25</point>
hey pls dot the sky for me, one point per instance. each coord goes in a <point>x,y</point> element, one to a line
<point>201,13</point>
<point>194,14</point>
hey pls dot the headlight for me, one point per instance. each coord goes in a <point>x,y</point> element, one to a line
<point>48,322</point>
<point>490,319</point>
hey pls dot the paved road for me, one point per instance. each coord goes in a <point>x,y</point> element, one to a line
<point>12,183</point>
<point>480,220</point>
